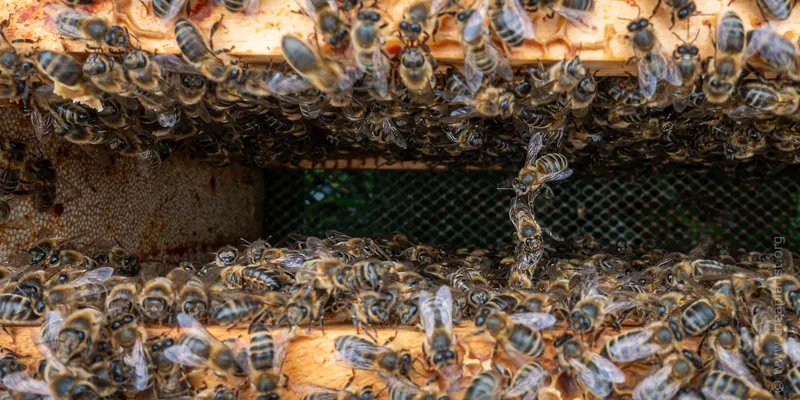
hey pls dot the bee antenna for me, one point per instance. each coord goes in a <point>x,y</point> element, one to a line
<point>679,37</point>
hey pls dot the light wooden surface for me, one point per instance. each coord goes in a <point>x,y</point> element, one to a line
<point>309,357</point>
<point>258,38</point>
<point>380,163</point>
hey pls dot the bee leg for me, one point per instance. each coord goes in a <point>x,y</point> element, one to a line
<point>349,381</point>
<point>494,351</point>
<point>7,332</point>
<point>700,344</point>
<point>655,10</point>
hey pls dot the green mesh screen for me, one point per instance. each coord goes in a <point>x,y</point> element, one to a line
<point>459,208</point>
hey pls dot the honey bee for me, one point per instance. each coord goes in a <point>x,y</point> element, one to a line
<point>325,14</point>
<point>576,12</point>
<point>538,171</point>
<point>686,58</point>
<point>593,372</point>
<point>717,384</point>
<point>440,342</point>
<point>44,178</point>
<point>776,51</point>
<point>593,312</point>
<point>371,308</point>
<point>170,378</point>
<point>421,16</point>
<point>229,309</point>
<point>510,22</point>
<point>481,56</point>
<point>706,314</point>
<point>488,102</point>
<point>652,62</point>
<point>326,75</point>
<point>267,353</point>
<point>666,382</point>
<point>156,301</point>
<point>167,10</point>
<point>582,96</point>
<point>9,363</point>
<point>198,348</point>
<point>723,71</point>
<point>75,23</point>
<point>60,68</point>
<point>143,71</point>
<point>64,295</point>
<point>528,231</point>
<point>18,309</point>
<point>61,383</point>
<point>358,353</point>
<point>367,40</point>
<point>681,9</point>
<point>639,344</point>
<point>485,385</point>
<point>416,70</point>
<point>314,392</point>
<point>122,298</point>
<point>78,333</point>
<point>219,392</point>
<point>12,165</point>
<point>196,51</point>
<point>528,381</point>
<point>306,304</point>
<point>504,302</point>
<point>518,334</point>
<point>249,7</point>
<point>775,9</point>
<point>403,389</point>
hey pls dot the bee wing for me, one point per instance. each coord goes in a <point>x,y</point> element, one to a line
<point>722,32</point>
<point>148,161</point>
<point>60,13</point>
<point>593,383</point>
<point>514,15</point>
<point>528,384</point>
<point>583,20</point>
<point>519,211</point>
<point>319,392</point>
<point>792,349</point>
<point>655,383</point>
<point>503,66</point>
<point>392,135</point>
<point>442,304</point>
<point>607,369</point>
<point>98,275</point>
<point>732,363</point>
<point>174,7</point>
<point>535,320</point>
<point>138,361</point>
<point>182,355</point>
<point>380,73</point>
<point>647,81</point>
<point>670,73</point>
<point>46,352</point>
<point>772,47</point>
<point>636,347</point>
<point>474,27</point>
<point>437,6</point>
<point>173,63</point>
<point>22,382</point>
<point>51,326</point>
<point>558,175</point>
<point>281,339</point>
<point>191,326</point>
<point>400,385</point>
<point>534,147</point>
<point>472,74</point>
<point>358,355</point>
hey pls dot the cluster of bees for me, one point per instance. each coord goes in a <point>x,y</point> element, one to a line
<point>713,323</point>
<point>21,174</point>
<point>349,96</point>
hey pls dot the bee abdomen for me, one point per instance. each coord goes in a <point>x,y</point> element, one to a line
<point>776,9</point>
<point>16,308</point>
<point>509,29</point>
<point>551,163</point>
<point>527,341</point>
<point>697,318</point>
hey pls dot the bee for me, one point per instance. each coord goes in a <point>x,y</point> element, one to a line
<point>167,10</point>
<point>358,353</point>
<point>257,278</point>
<point>19,309</point>
<point>170,378</point>
<point>314,392</point>
<point>61,382</point>
<point>775,9</point>
<point>785,290</point>
<point>156,301</point>
<point>43,175</point>
<point>306,304</point>
<point>236,308</point>
<point>368,40</point>
<point>249,7</point>
<point>686,58</point>
<point>267,353</point>
<point>488,102</point>
<point>75,23</point>
<point>706,314</point>
<point>9,363</point>
<point>680,9</point>
<point>769,347</point>
<point>88,284</point>
<point>403,389</point>
<point>12,164</point>
<point>592,312</point>
<point>219,392</point>
<point>716,384</point>
<point>78,334</point>
<point>639,344</point>
<point>196,347</point>
<point>504,302</point>
<point>538,171</point>
<point>576,12</point>
<point>107,74</point>
<point>592,371</point>
<point>326,75</point>
<point>196,51</point>
<point>416,70</point>
<point>122,298</point>
<point>528,231</point>
<point>481,56</point>
<point>421,16</point>
<point>70,260</point>
<point>528,381</point>
<point>775,50</point>
<point>723,71</point>
<point>510,22</point>
<point>518,334</point>
<point>440,342</point>
<point>371,308</point>
<point>60,68</point>
<point>666,382</point>
<point>652,62</point>
<point>582,96</point>
<point>325,14</point>
<point>143,71</point>
<point>485,385</point>
<point>192,298</point>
